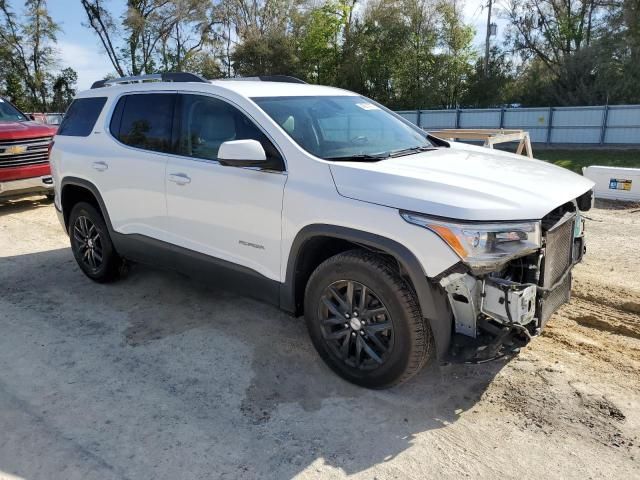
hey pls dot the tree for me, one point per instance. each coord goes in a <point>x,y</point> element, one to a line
<point>383,38</point>
<point>404,53</point>
<point>416,71</point>
<point>102,23</point>
<point>14,90</point>
<point>269,54</point>
<point>559,35</point>
<point>64,89</point>
<point>320,46</point>
<point>28,44</point>
<point>552,30</point>
<point>453,64</point>
<point>494,87</point>
<point>154,35</point>
<point>619,52</point>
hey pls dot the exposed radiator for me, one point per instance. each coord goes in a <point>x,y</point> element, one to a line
<point>558,258</point>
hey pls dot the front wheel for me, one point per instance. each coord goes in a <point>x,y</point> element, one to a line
<point>91,244</point>
<point>364,320</point>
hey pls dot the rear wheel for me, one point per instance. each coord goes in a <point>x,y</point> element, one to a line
<point>364,320</point>
<point>91,244</point>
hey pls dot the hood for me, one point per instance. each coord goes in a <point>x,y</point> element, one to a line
<point>462,183</point>
<point>25,130</point>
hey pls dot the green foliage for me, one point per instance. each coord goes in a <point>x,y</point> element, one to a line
<point>577,159</point>
<point>415,71</point>
<point>454,63</point>
<point>383,39</point>
<point>576,52</point>
<point>63,90</point>
<point>28,59</point>
<point>406,54</point>
<point>269,54</point>
<point>493,88</point>
<point>320,45</point>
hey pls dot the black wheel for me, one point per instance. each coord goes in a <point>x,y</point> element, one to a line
<point>364,320</point>
<point>91,244</point>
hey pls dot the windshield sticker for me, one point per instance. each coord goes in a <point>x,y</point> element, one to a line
<point>367,106</point>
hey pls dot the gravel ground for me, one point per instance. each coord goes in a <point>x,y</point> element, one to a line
<point>160,377</point>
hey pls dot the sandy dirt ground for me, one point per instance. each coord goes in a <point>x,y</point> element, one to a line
<point>161,377</point>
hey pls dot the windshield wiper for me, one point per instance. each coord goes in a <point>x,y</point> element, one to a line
<point>363,157</point>
<point>409,151</point>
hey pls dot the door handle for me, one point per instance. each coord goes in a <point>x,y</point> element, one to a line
<point>179,178</point>
<point>100,166</point>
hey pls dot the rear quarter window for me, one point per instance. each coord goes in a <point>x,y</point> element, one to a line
<point>81,117</point>
<point>144,121</point>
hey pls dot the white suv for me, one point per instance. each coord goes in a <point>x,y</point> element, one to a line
<point>395,245</point>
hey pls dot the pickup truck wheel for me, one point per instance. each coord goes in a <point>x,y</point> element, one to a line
<point>364,320</point>
<point>91,244</point>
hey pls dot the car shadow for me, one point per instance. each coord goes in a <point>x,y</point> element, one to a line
<point>290,410</point>
<point>10,206</point>
<point>606,204</point>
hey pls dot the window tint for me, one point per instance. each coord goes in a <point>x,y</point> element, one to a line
<point>208,122</point>
<point>144,121</point>
<point>81,117</point>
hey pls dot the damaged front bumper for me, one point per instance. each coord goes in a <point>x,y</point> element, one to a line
<point>497,313</point>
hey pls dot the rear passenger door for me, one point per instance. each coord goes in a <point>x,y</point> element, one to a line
<point>132,173</point>
<point>231,213</point>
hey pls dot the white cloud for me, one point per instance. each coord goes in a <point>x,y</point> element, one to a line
<point>89,61</point>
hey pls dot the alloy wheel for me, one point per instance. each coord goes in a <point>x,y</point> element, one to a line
<point>355,324</point>
<point>88,242</point>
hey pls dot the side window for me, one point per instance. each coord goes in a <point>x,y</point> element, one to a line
<point>81,117</point>
<point>144,121</point>
<point>207,122</point>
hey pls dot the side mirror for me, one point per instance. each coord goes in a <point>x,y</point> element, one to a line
<point>242,153</point>
<point>31,117</point>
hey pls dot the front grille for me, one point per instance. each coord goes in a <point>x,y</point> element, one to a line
<point>36,151</point>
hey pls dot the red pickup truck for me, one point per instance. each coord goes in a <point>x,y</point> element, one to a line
<point>24,153</point>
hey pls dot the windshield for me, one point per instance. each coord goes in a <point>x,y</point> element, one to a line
<point>343,127</point>
<point>54,119</point>
<point>8,113</point>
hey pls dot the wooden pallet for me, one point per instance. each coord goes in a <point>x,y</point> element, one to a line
<point>490,137</point>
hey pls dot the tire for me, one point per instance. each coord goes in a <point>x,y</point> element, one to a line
<point>91,244</point>
<point>388,321</point>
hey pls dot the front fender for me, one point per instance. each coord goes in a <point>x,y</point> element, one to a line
<point>433,301</point>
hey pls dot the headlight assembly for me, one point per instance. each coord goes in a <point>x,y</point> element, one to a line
<point>483,246</point>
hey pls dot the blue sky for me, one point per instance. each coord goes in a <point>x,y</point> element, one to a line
<point>78,46</point>
<point>80,49</point>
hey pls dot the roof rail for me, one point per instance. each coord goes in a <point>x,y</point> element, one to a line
<point>159,77</point>
<point>267,78</point>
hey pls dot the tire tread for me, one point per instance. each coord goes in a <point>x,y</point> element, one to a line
<point>422,338</point>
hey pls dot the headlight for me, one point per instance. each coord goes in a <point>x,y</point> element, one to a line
<point>483,246</point>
